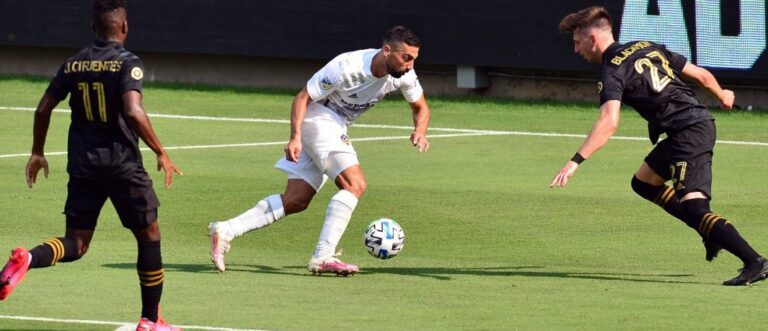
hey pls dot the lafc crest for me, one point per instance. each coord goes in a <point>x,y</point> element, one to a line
<point>345,139</point>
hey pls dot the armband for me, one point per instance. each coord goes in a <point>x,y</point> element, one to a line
<point>577,158</point>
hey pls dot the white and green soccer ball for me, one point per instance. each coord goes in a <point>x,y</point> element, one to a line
<point>384,238</point>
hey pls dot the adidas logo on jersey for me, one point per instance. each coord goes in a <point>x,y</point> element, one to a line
<point>353,96</point>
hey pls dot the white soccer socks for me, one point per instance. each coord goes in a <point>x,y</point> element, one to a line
<point>266,211</point>
<point>337,217</point>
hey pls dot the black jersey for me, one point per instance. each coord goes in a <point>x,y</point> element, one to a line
<point>646,76</point>
<point>100,141</point>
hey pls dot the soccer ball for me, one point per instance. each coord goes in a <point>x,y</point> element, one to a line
<point>384,238</point>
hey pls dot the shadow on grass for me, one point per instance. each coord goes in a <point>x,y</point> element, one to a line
<point>209,269</point>
<point>447,273</point>
<point>442,273</point>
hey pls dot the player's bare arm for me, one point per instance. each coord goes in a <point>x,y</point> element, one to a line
<point>37,160</point>
<point>421,115</point>
<point>135,114</point>
<point>298,111</point>
<point>708,81</point>
<point>602,131</point>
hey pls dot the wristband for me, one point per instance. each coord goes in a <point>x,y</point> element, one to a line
<point>577,158</point>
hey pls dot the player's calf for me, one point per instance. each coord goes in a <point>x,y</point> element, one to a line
<point>718,232</point>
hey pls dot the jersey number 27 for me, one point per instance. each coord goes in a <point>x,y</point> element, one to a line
<point>659,81</point>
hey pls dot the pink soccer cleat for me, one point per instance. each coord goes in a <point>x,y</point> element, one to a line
<point>160,325</point>
<point>14,271</point>
<point>220,244</point>
<point>332,264</point>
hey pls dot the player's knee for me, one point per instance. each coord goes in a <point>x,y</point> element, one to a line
<point>82,248</point>
<point>150,232</point>
<point>293,205</point>
<point>358,187</point>
<point>643,189</point>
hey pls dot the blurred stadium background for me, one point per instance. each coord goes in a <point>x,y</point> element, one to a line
<point>494,48</point>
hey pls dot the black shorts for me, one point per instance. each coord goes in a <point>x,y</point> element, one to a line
<point>685,157</point>
<point>133,197</point>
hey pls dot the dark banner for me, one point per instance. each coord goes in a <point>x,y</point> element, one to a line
<point>727,36</point>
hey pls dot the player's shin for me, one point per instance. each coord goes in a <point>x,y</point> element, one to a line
<point>149,266</point>
<point>337,217</point>
<point>52,251</point>
<point>663,196</point>
<point>266,211</point>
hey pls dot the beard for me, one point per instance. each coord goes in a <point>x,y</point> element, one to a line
<point>394,73</point>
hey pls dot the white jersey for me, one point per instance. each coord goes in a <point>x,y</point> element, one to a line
<point>347,87</point>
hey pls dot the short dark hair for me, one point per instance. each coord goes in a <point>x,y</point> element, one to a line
<point>595,16</point>
<point>401,34</point>
<point>102,11</point>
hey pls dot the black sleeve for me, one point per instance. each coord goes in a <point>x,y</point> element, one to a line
<point>132,75</point>
<point>57,89</point>
<point>611,87</point>
<point>676,61</point>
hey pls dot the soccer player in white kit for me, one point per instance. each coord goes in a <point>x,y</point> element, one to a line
<point>319,147</point>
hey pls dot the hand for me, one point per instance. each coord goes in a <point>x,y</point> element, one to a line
<point>565,173</point>
<point>420,140</point>
<point>36,161</point>
<point>726,99</point>
<point>164,162</point>
<point>292,150</point>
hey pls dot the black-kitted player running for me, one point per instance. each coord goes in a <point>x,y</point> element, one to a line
<point>104,82</point>
<point>646,76</point>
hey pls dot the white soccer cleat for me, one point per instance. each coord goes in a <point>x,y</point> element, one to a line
<point>220,244</point>
<point>320,265</point>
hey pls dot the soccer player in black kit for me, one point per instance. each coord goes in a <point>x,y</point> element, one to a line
<point>647,77</point>
<point>104,82</point>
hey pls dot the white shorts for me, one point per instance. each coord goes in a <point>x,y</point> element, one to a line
<point>326,148</point>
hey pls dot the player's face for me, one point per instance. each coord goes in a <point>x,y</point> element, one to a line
<point>584,45</point>
<point>401,58</point>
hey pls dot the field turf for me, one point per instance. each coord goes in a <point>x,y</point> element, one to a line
<point>489,245</point>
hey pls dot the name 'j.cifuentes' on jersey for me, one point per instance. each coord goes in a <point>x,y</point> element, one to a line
<point>93,66</point>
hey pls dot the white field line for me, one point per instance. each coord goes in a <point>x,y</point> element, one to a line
<point>119,324</point>
<point>467,132</point>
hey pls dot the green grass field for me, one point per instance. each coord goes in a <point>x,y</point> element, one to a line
<point>489,245</point>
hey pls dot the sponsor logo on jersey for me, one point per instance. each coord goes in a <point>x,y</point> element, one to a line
<point>325,83</point>
<point>353,95</point>
<point>137,73</point>
<point>599,87</point>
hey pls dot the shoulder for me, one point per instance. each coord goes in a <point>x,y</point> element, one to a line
<point>132,64</point>
<point>128,57</point>
<point>351,61</point>
<point>409,78</point>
